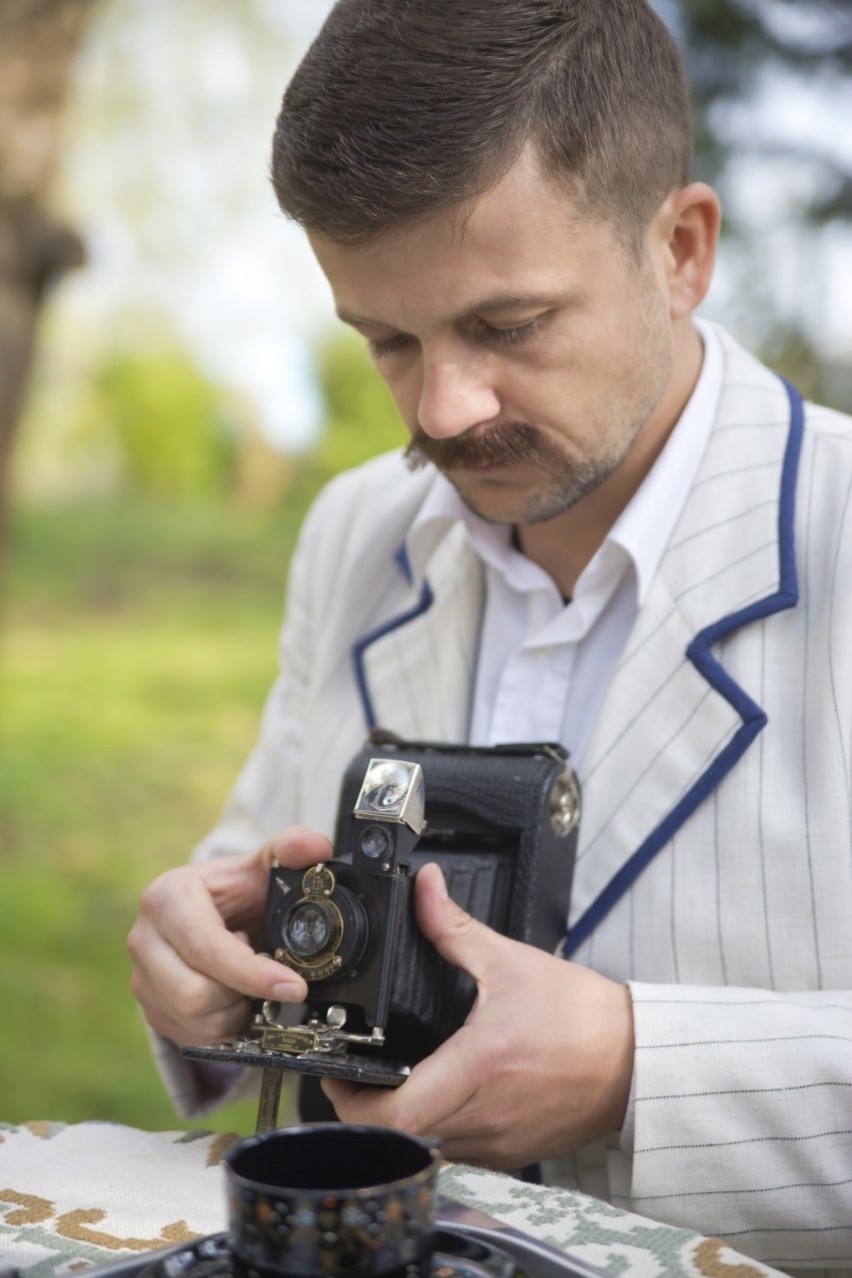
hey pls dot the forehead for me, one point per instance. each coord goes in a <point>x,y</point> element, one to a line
<point>524,237</point>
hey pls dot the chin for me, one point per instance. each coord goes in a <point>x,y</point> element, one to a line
<point>530,506</point>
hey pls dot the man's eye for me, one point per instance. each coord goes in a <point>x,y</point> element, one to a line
<point>383,346</point>
<point>380,346</point>
<point>511,336</point>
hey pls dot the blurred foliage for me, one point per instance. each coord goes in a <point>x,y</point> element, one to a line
<point>169,423</point>
<point>731,39</point>
<point>140,417</point>
<point>138,647</point>
<point>360,417</point>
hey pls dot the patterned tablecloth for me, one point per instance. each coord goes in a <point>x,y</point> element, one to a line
<point>72,1196</point>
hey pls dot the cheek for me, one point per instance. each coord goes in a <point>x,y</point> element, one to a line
<point>576,358</point>
<point>570,373</point>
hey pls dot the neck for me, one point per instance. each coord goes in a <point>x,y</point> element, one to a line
<point>564,545</point>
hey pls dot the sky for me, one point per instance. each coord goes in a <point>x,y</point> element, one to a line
<point>166,173</point>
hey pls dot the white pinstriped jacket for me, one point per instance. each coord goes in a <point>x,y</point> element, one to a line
<point>715,863</point>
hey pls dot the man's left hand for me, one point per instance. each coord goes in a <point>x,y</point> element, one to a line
<point>541,1067</point>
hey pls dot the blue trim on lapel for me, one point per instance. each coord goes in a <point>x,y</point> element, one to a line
<point>404,563</point>
<point>424,603</point>
<point>699,652</point>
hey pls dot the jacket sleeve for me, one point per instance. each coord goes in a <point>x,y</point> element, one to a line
<point>745,1097</point>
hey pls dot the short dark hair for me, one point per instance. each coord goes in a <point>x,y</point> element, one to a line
<point>404,107</point>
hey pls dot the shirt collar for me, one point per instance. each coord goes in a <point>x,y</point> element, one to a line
<point>442,508</point>
<point>641,531</point>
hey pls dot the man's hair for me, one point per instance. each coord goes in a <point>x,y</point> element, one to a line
<point>402,108</point>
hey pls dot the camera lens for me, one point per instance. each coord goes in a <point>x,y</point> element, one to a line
<point>375,841</point>
<point>323,933</point>
<point>308,928</point>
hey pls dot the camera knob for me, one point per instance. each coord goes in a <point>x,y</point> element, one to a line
<point>565,804</point>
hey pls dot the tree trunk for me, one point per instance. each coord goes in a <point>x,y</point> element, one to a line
<point>38,42</point>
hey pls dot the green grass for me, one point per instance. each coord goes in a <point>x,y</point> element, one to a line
<point>137,646</point>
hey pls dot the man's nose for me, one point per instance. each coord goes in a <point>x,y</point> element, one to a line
<point>455,395</point>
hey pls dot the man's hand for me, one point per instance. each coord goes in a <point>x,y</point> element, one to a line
<point>542,1066</point>
<point>194,971</point>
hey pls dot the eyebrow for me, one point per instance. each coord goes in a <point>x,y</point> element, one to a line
<point>495,302</point>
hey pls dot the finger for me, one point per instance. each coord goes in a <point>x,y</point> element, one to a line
<point>183,1036</point>
<point>296,848</point>
<point>464,1137</point>
<point>372,1105</point>
<point>458,937</point>
<point>426,1103</point>
<point>163,980</point>
<point>238,885</point>
<point>226,1022</point>
<point>192,926</point>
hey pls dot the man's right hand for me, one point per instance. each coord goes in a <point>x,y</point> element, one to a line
<point>194,969</point>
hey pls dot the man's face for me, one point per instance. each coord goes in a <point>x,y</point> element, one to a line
<point>525,348</point>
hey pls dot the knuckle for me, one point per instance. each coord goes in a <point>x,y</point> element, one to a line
<point>161,1024</point>
<point>198,948</point>
<point>225,1024</point>
<point>160,891</point>
<point>410,1119</point>
<point>501,1151</point>
<point>137,985</point>
<point>494,1128</point>
<point>192,998</point>
<point>462,922</point>
<point>135,941</point>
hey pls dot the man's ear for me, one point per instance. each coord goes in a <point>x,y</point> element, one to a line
<point>688,227</point>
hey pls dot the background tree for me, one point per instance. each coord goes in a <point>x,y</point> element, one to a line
<point>38,42</point>
<point>771,87</point>
<point>731,46</point>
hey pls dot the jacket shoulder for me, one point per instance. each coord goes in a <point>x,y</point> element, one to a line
<point>373,504</point>
<point>354,529</point>
<point>829,424</point>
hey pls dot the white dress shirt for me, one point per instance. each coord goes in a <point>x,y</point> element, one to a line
<point>545,666</point>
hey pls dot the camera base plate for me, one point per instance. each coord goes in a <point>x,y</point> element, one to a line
<point>352,1067</point>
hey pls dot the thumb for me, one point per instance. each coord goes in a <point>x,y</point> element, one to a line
<point>459,938</point>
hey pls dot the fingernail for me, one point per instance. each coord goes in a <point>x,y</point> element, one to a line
<point>441,884</point>
<point>286,993</point>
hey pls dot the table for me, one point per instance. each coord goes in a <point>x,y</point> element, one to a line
<point>77,1195</point>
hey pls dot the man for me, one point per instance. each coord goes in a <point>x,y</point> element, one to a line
<point>617,530</point>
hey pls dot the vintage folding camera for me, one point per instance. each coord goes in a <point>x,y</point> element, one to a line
<point>501,822</point>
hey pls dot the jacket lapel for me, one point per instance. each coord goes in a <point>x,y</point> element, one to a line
<point>416,669</point>
<point>674,721</point>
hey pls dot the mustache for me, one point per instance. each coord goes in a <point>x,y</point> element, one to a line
<point>512,444</point>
